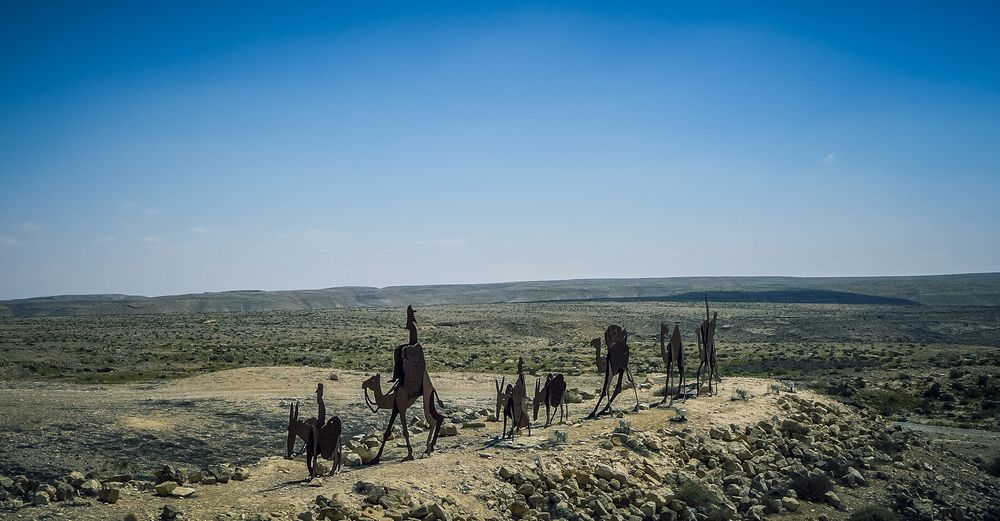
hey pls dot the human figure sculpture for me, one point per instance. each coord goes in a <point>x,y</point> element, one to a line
<point>673,355</point>
<point>518,396</point>
<point>410,382</point>
<point>324,438</point>
<point>616,363</point>
<point>320,437</point>
<point>552,395</point>
<point>706,350</point>
<point>505,407</point>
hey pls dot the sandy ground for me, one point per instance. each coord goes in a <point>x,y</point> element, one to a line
<point>459,473</point>
<point>239,416</point>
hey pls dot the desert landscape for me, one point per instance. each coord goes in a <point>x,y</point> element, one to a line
<point>883,406</point>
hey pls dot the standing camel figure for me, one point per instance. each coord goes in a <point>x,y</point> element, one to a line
<point>673,354</point>
<point>300,429</point>
<point>410,381</point>
<point>706,350</point>
<point>552,394</point>
<point>616,363</point>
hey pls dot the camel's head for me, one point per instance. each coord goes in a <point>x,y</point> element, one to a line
<point>596,344</point>
<point>319,390</point>
<point>372,383</point>
<point>501,399</point>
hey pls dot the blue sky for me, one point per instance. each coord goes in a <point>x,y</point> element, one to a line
<point>158,148</point>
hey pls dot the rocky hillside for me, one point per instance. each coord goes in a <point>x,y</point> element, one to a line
<point>754,454</point>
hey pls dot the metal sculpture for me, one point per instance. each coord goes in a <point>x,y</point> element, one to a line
<point>552,394</point>
<point>505,409</point>
<point>410,382</point>
<point>602,363</point>
<point>673,354</point>
<point>324,439</point>
<point>320,437</point>
<point>706,350</point>
<point>514,397</point>
<point>616,363</point>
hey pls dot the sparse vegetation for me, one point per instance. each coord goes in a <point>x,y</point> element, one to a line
<point>811,487</point>
<point>873,513</point>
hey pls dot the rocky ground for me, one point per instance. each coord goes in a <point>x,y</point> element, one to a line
<point>748,455</point>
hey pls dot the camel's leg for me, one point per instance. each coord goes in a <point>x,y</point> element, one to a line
<point>385,437</point>
<point>503,432</point>
<point>406,436</point>
<point>604,392</point>
<point>667,382</point>
<point>635,388</point>
<point>434,429</point>
<point>617,391</point>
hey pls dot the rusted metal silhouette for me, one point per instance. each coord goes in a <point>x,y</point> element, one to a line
<point>552,395</point>
<point>673,355</point>
<point>602,363</point>
<point>297,428</point>
<point>410,382</point>
<point>514,397</point>
<point>706,350</point>
<point>324,439</point>
<point>319,437</point>
<point>616,363</point>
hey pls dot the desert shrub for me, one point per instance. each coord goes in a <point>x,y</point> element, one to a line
<point>889,401</point>
<point>933,391</point>
<point>811,487</point>
<point>873,513</point>
<point>993,466</point>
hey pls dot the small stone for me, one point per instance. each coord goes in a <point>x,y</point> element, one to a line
<point>40,499</point>
<point>791,504</point>
<point>90,487</point>
<point>110,493</point>
<point>449,429</point>
<point>165,488</point>
<point>182,491</point>
<point>241,474</point>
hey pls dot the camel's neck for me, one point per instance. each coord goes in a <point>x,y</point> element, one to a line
<point>384,401</point>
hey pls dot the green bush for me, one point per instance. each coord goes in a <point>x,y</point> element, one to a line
<point>873,513</point>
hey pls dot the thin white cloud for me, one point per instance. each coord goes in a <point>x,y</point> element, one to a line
<point>7,241</point>
<point>441,242</point>
<point>30,227</point>
<point>200,230</point>
<point>152,239</point>
<point>150,211</point>
<point>830,158</point>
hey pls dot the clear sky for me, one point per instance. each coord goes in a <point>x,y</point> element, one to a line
<point>169,147</point>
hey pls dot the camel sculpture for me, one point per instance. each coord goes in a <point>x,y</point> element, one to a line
<point>706,350</point>
<point>673,354</point>
<point>410,381</point>
<point>320,437</point>
<point>552,394</point>
<point>616,363</point>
